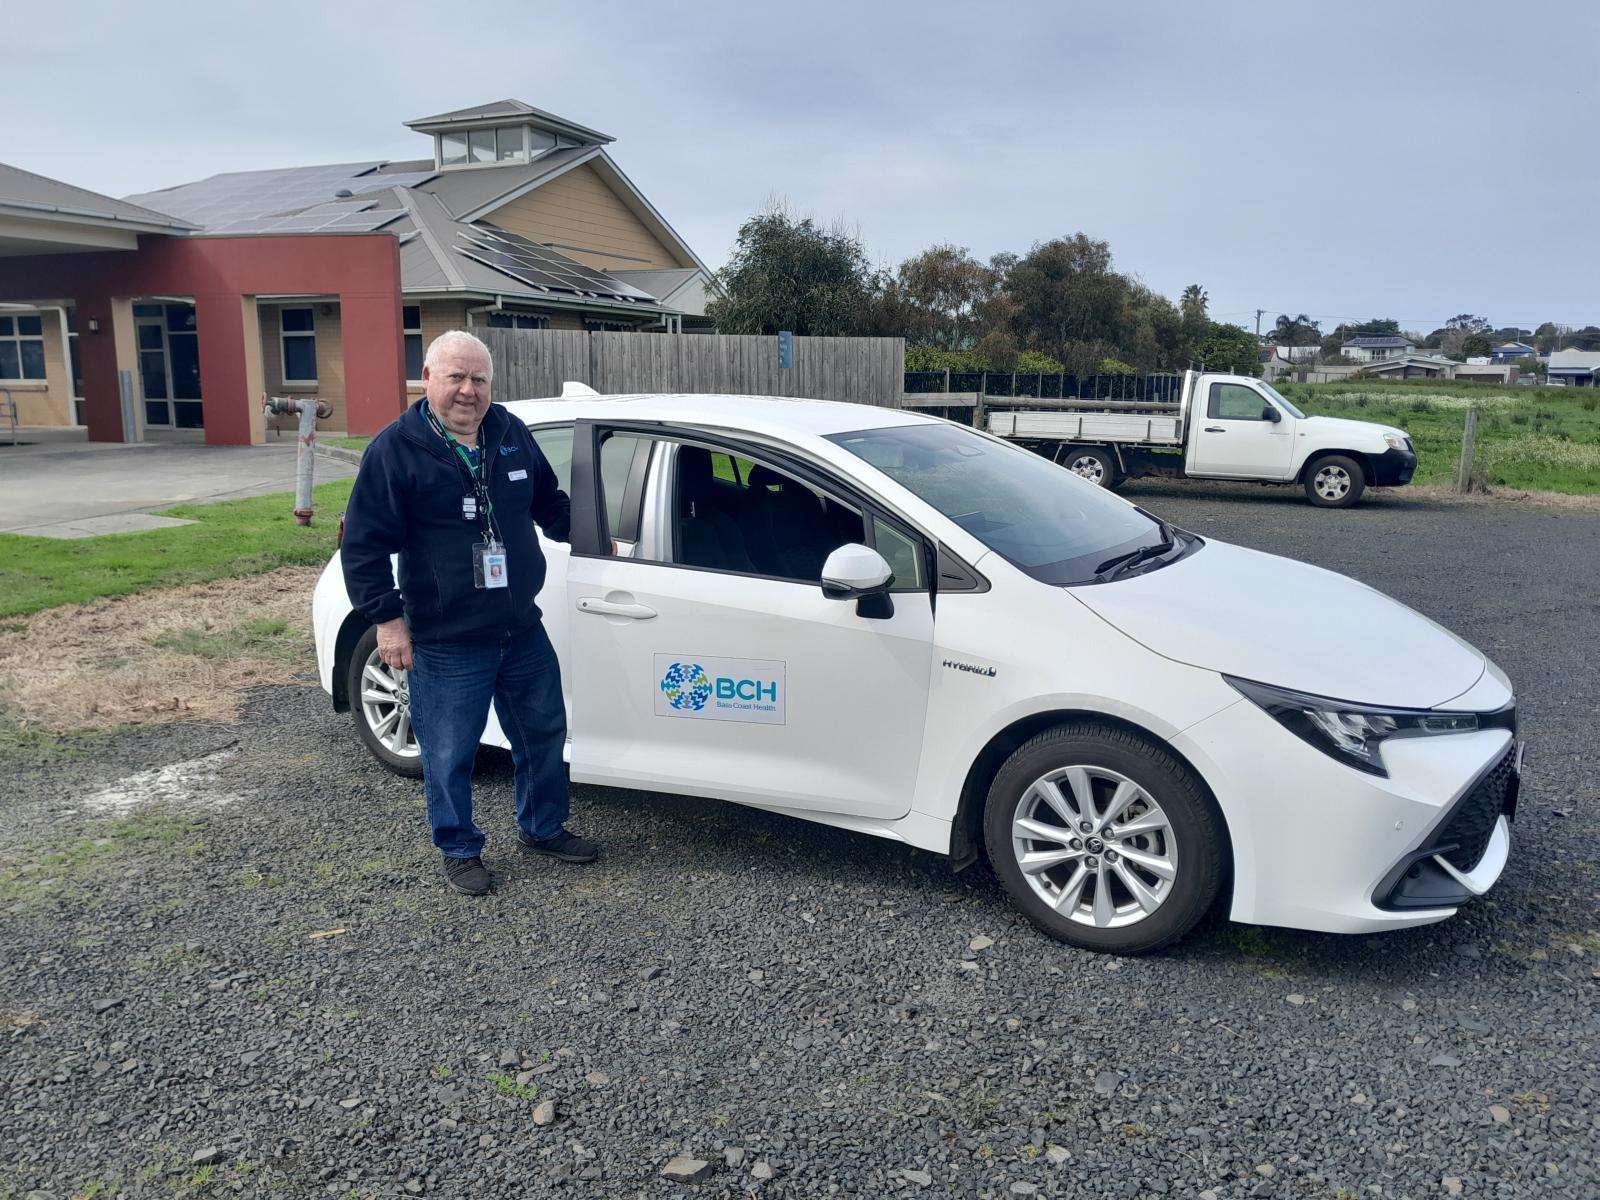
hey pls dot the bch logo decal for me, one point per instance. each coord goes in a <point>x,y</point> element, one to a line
<point>686,686</point>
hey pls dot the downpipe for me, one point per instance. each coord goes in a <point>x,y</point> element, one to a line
<point>309,411</point>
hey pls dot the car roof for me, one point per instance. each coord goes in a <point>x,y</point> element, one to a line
<point>772,415</point>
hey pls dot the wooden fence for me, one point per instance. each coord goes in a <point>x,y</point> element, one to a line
<point>536,362</point>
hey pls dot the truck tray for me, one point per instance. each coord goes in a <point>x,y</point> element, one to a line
<point>1088,427</point>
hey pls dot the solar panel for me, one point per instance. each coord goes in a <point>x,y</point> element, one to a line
<point>541,267</point>
<point>220,203</point>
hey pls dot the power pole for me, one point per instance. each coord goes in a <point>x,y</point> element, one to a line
<point>1259,311</point>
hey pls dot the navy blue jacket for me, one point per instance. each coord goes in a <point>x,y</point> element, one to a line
<point>407,501</point>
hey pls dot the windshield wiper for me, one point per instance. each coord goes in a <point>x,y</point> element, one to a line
<point>1124,562</point>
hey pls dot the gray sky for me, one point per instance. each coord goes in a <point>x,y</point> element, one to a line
<point>1412,160</point>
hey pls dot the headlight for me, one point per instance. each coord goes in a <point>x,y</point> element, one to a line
<point>1396,441</point>
<point>1350,733</point>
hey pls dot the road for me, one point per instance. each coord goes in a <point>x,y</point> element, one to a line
<point>293,1003</point>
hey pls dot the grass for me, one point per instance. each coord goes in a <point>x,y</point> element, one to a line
<point>1539,439</point>
<point>230,538</point>
<point>156,831</point>
<point>506,1085</point>
<point>346,443</point>
<point>261,639</point>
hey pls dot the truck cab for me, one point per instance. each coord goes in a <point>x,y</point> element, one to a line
<point>1243,428</point>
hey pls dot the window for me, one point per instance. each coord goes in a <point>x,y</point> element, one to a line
<point>1042,518</point>
<point>903,554</point>
<point>299,338</point>
<point>622,463</point>
<point>506,320</point>
<point>555,443</point>
<point>480,146</point>
<point>75,367</point>
<point>599,325</point>
<point>22,347</point>
<point>1235,402</point>
<point>411,320</point>
<point>452,149</point>
<point>733,514</point>
<point>508,143</point>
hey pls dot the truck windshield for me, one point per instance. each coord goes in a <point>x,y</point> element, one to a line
<point>1283,401</point>
<point>1042,518</point>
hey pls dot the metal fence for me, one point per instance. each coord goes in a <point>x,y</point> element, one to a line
<point>1160,388</point>
<point>536,362</point>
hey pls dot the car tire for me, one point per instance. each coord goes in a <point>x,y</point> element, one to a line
<point>1098,466</point>
<point>1146,888</point>
<point>1335,481</point>
<point>375,692</point>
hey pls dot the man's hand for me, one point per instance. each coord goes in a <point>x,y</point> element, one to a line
<point>394,644</point>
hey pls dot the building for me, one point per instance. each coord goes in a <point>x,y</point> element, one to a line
<point>1574,368</point>
<point>1512,351</point>
<point>1487,372</point>
<point>514,217</point>
<point>1376,347</point>
<point>1412,366</point>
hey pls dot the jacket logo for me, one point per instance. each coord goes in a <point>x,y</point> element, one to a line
<point>509,448</point>
<point>969,668</point>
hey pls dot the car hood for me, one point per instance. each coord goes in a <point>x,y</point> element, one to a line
<point>1287,623</point>
<point>1340,428</point>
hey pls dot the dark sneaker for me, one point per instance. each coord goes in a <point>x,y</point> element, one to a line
<point>467,875</point>
<point>568,847</point>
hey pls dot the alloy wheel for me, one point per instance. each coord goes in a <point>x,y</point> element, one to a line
<point>386,706</point>
<point>1332,483</point>
<point>1095,846</point>
<point>1090,467</point>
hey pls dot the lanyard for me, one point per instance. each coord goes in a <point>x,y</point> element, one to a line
<point>476,471</point>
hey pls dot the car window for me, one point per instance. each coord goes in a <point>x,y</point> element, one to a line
<point>1235,402</point>
<point>1043,518</point>
<point>555,443</point>
<point>617,455</point>
<point>733,514</point>
<point>903,554</point>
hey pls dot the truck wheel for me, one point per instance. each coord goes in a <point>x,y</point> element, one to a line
<point>1104,839</point>
<point>1094,464</point>
<point>380,702</point>
<point>1335,481</point>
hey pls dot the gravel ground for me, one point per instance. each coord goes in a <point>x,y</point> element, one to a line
<point>805,1011</point>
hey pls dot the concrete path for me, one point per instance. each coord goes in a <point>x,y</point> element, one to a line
<point>64,486</point>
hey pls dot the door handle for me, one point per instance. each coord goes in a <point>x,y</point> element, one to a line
<point>1215,429</point>
<point>610,608</point>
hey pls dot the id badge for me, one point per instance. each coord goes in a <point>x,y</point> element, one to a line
<point>489,565</point>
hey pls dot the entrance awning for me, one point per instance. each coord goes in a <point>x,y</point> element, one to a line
<point>45,216</point>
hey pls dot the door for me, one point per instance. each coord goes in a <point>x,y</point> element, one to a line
<point>169,365</point>
<point>711,663</point>
<point>1237,437</point>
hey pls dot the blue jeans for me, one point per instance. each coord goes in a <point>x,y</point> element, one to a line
<point>451,687</point>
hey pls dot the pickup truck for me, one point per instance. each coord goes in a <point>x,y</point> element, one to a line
<point>1222,427</point>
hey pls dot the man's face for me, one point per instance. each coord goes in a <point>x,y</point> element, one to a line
<point>458,388</point>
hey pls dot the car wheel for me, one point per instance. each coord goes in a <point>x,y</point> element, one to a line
<point>1335,482</point>
<point>1094,464</point>
<point>380,702</point>
<point>1104,839</point>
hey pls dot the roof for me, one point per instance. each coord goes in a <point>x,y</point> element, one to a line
<point>774,415</point>
<point>506,110</point>
<point>288,199</point>
<point>467,192</point>
<point>1578,362</point>
<point>24,189</point>
<point>1412,360</point>
<point>1503,346</point>
<point>1378,341</point>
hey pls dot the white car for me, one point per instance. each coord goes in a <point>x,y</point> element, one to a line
<point>902,626</point>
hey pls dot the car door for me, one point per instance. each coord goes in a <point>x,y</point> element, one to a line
<point>711,663</point>
<point>1237,437</point>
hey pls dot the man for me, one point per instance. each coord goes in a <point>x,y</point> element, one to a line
<point>454,487</point>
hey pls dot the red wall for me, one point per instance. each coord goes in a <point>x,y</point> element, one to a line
<point>363,270</point>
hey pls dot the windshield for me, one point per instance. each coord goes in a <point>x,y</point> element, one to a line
<point>1040,517</point>
<point>1282,400</point>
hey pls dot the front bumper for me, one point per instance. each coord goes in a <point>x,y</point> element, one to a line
<point>1393,467</point>
<point>1318,845</point>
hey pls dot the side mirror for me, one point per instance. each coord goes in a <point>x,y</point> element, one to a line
<point>859,573</point>
<point>853,570</point>
<point>1269,412</point>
